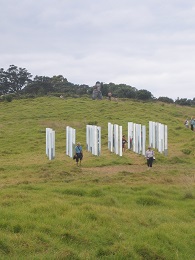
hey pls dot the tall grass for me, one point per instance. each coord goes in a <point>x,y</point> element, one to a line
<point>109,208</point>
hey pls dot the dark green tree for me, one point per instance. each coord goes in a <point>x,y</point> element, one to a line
<point>121,90</point>
<point>125,91</point>
<point>3,82</point>
<point>165,100</point>
<point>59,83</point>
<point>184,102</point>
<point>41,85</point>
<point>82,90</point>
<point>14,79</point>
<point>143,94</point>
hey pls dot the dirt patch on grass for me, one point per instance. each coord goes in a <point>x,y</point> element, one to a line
<point>164,174</point>
<point>117,169</point>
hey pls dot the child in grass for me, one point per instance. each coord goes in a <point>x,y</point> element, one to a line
<point>78,153</point>
<point>149,156</point>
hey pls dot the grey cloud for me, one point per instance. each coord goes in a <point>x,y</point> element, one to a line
<point>148,44</point>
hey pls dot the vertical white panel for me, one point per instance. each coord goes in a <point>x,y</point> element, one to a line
<point>73,141</point>
<point>134,137</point>
<point>89,141</point>
<point>130,135</point>
<point>47,140</point>
<point>53,144</point>
<point>159,138</point>
<point>166,140</point>
<point>112,138</point>
<point>162,137</point>
<point>120,141</point>
<point>139,139</point>
<point>116,139</point>
<point>150,133</point>
<point>154,135</point>
<point>143,140</point>
<point>99,140</point>
<point>50,143</point>
<point>109,139</point>
<point>94,147</point>
<point>70,142</point>
<point>93,138</point>
<point>88,137</point>
<point>67,139</point>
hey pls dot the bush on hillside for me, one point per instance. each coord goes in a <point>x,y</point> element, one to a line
<point>7,98</point>
<point>166,100</point>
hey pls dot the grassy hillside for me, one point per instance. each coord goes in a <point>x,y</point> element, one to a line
<point>110,208</point>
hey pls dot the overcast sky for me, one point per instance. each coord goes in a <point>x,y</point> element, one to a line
<point>148,44</point>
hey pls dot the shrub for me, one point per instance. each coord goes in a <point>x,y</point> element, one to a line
<point>7,98</point>
<point>176,159</point>
<point>148,201</point>
<point>178,128</point>
<point>92,123</point>
<point>165,100</point>
<point>186,151</point>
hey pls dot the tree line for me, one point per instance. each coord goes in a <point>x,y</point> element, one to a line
<point>17,82</point>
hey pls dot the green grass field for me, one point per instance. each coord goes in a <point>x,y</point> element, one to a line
<point>111,207</point>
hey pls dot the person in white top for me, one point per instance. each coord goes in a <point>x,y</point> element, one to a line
<point>149,156</point>
<point>186,123</point>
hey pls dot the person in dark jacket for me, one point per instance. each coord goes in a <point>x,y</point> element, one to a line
<point>78,153</point>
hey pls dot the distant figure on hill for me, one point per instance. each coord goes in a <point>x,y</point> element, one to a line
<point>186,123</point>
<point>124,141</point>
<point>109,95</point>
<point>149,156</point>
<point>192,123</point>
<point>78,153</point>
<point>97,94</point>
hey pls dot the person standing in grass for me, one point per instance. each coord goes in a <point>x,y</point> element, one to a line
<point>124,141</point>
<point>192,123</point>
<point>109,95</point>
<point>78,153</point>
<point>149,156</point>
<point>186,123</point>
